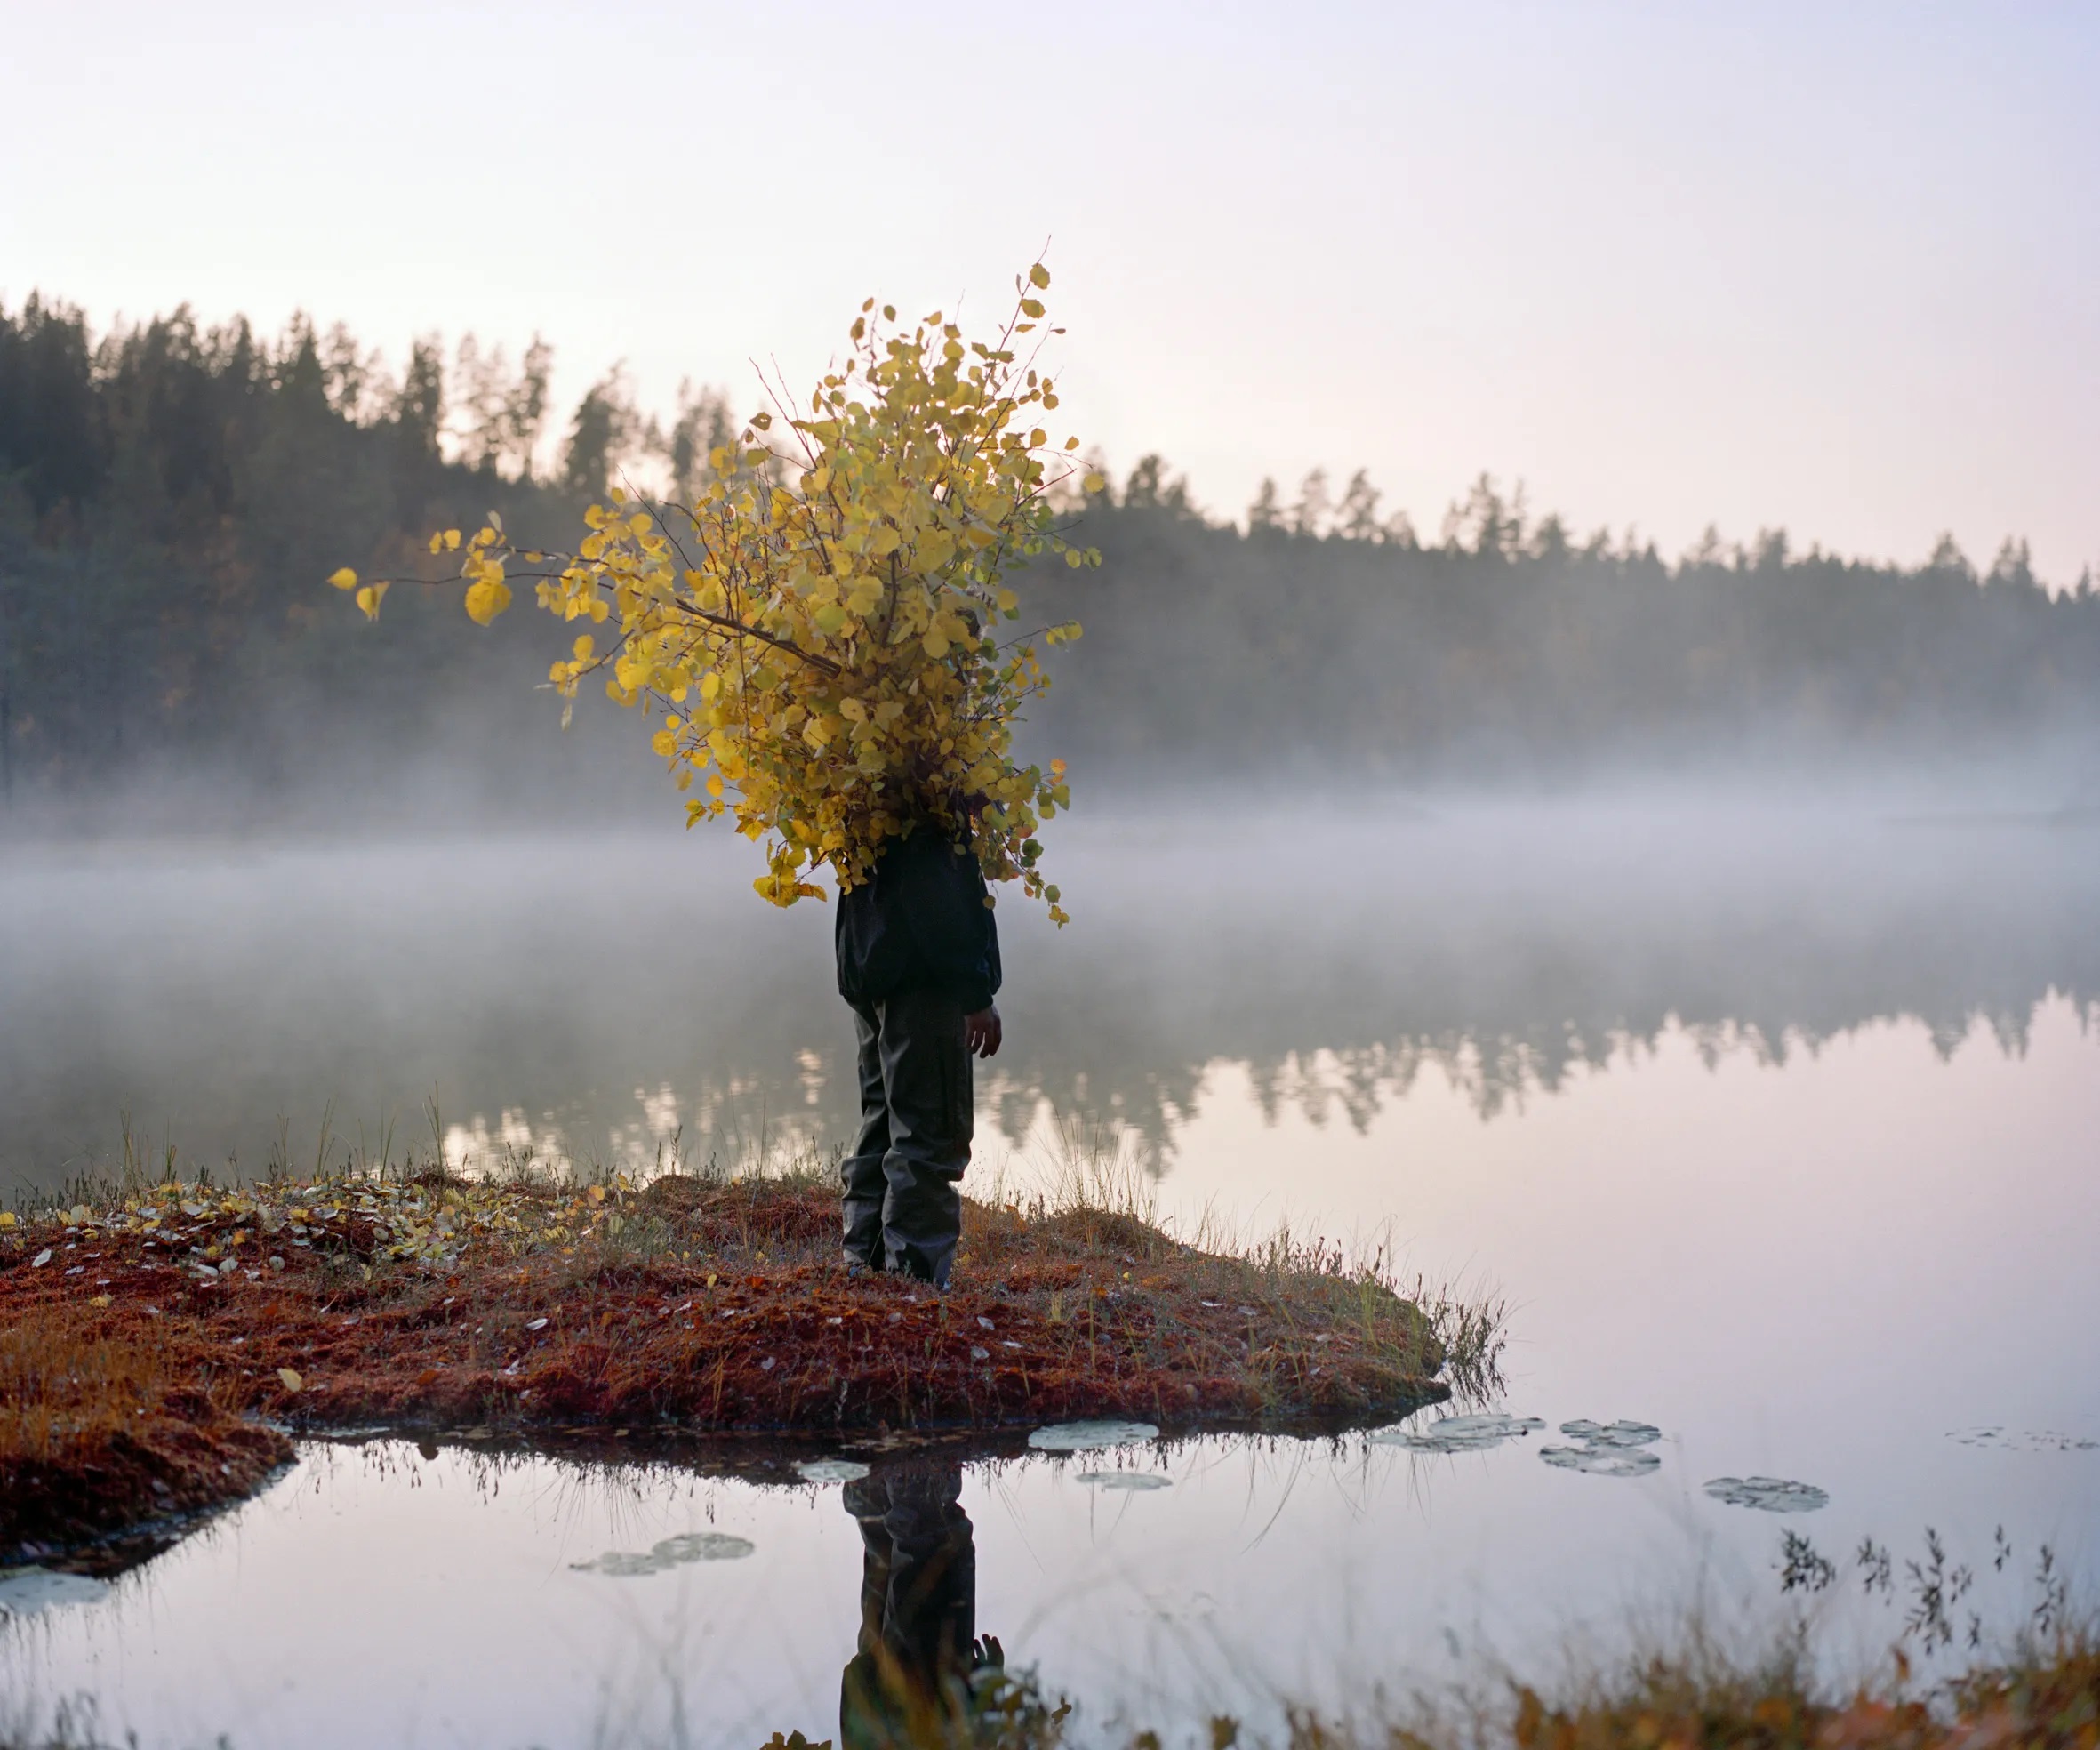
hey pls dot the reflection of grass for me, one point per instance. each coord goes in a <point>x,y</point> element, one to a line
<point>2041,1692</point>
<point>2038,1698</point>
<point>2045,1698</point>
<point>697,1302</point>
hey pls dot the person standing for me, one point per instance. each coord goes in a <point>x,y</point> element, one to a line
<point>918,963</point>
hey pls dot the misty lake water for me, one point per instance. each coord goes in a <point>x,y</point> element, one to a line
<point>1780,1130</point>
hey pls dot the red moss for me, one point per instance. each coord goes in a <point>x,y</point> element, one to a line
<point>101,1426</point>
<point>722,1308</point>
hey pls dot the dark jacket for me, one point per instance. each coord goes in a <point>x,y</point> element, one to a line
<point>924,922</point>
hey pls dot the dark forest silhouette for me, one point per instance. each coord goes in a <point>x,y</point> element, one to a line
<point>172,496</point>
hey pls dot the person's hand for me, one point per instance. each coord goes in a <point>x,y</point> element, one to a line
<point>982,1031</point>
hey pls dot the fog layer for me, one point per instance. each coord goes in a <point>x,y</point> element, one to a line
<point>592,997</point>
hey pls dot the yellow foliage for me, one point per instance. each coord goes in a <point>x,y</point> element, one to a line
<point>820,627</point>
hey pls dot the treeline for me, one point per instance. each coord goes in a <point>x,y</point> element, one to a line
<point>172,495</point>
<point>1508,644</point>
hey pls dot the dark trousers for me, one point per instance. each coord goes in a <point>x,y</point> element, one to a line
<point>902,1209</point>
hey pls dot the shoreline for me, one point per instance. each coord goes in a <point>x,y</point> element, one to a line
<point>160,1347</point>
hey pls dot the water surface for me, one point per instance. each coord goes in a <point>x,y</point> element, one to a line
<point>1776,1129</point>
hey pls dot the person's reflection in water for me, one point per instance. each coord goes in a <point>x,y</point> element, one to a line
<point>911,1682</point>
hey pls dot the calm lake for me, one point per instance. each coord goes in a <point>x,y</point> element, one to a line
<point>1779,1129</point>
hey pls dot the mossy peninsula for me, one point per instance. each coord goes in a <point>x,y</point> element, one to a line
<point>160,1347</point>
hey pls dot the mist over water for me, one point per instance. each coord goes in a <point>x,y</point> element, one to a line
<point>602,995</point>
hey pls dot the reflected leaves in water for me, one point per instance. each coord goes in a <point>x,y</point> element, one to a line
<point>671,1553</point>
<point>1769,1494</point>
<point>1938,1584</point>
<point>1460,1433</point>
<point>1091,1436</point>
<point>1802,1567</point>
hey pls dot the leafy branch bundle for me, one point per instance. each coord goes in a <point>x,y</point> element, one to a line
<point>820,630</point>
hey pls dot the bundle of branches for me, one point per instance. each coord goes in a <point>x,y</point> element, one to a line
<point>820,630</point>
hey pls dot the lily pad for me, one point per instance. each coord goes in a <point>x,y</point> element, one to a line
<point>1604,1461</point>
<point>26,1591</point>
<point>671,1553</point>
<point>1139,1482</point>
<point>1460,1433</point>
<point>1613,1433</point>
<point>2024,1440</point>
<point>621,1564</point>
<point>1769,1494</point>
<point>831,1470</point>
<point>1091,1436</point>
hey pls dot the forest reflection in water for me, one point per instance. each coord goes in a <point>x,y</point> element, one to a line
<point>597,998</point>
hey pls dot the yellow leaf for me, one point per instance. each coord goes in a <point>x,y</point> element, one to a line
<point>345,579</point>
<point>1032,307</point>
<point>1096,482</point>
<point>1038,276</point>
<point>369,598</point>
<point>486,599</point>
<point>292,1378</point>
<point>451,541</point>
<point>99,1300</point>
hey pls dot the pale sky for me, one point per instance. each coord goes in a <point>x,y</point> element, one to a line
<point>1831,267</point>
